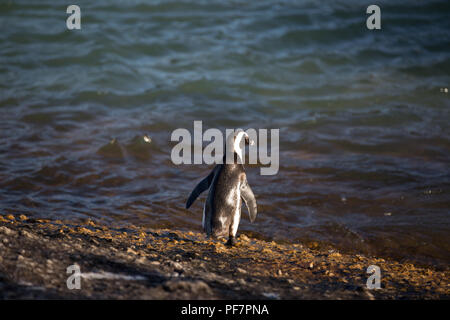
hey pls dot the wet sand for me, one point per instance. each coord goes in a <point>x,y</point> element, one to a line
<point>142,263</point>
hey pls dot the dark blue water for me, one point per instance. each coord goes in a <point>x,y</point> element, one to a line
<point>363,115</point>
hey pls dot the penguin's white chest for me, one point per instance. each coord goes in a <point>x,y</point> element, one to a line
<point>234,196</point>
<point>235,201</point>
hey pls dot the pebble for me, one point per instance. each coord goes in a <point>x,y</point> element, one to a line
<point>142,260</point>
<point>197,287</point>
<point>129,250</point>
<point>244,238</point>
<point>27,234</point>
<point>7,231</point>
<point>177,266</point>
<point>240,270</point>
<point>271,295</point>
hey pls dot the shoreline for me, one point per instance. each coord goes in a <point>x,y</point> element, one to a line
<point>143,263</point>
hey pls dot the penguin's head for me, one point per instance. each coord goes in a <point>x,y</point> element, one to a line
<point>239,140</point>
<point>239,137</point>
<point>247,140</point>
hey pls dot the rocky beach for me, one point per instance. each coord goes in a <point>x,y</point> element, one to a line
<point>141,263</point>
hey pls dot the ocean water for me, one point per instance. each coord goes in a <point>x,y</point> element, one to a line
<point>363,115</point>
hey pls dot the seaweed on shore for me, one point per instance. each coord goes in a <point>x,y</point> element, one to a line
<point>141,263</point>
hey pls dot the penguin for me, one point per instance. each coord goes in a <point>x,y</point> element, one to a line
<point>228,186</point>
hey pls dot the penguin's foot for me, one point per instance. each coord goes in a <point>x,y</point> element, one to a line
<point>231,241</point>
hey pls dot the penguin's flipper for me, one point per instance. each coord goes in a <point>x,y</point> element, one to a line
<point>249,199</point>
<point>202,186</point>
